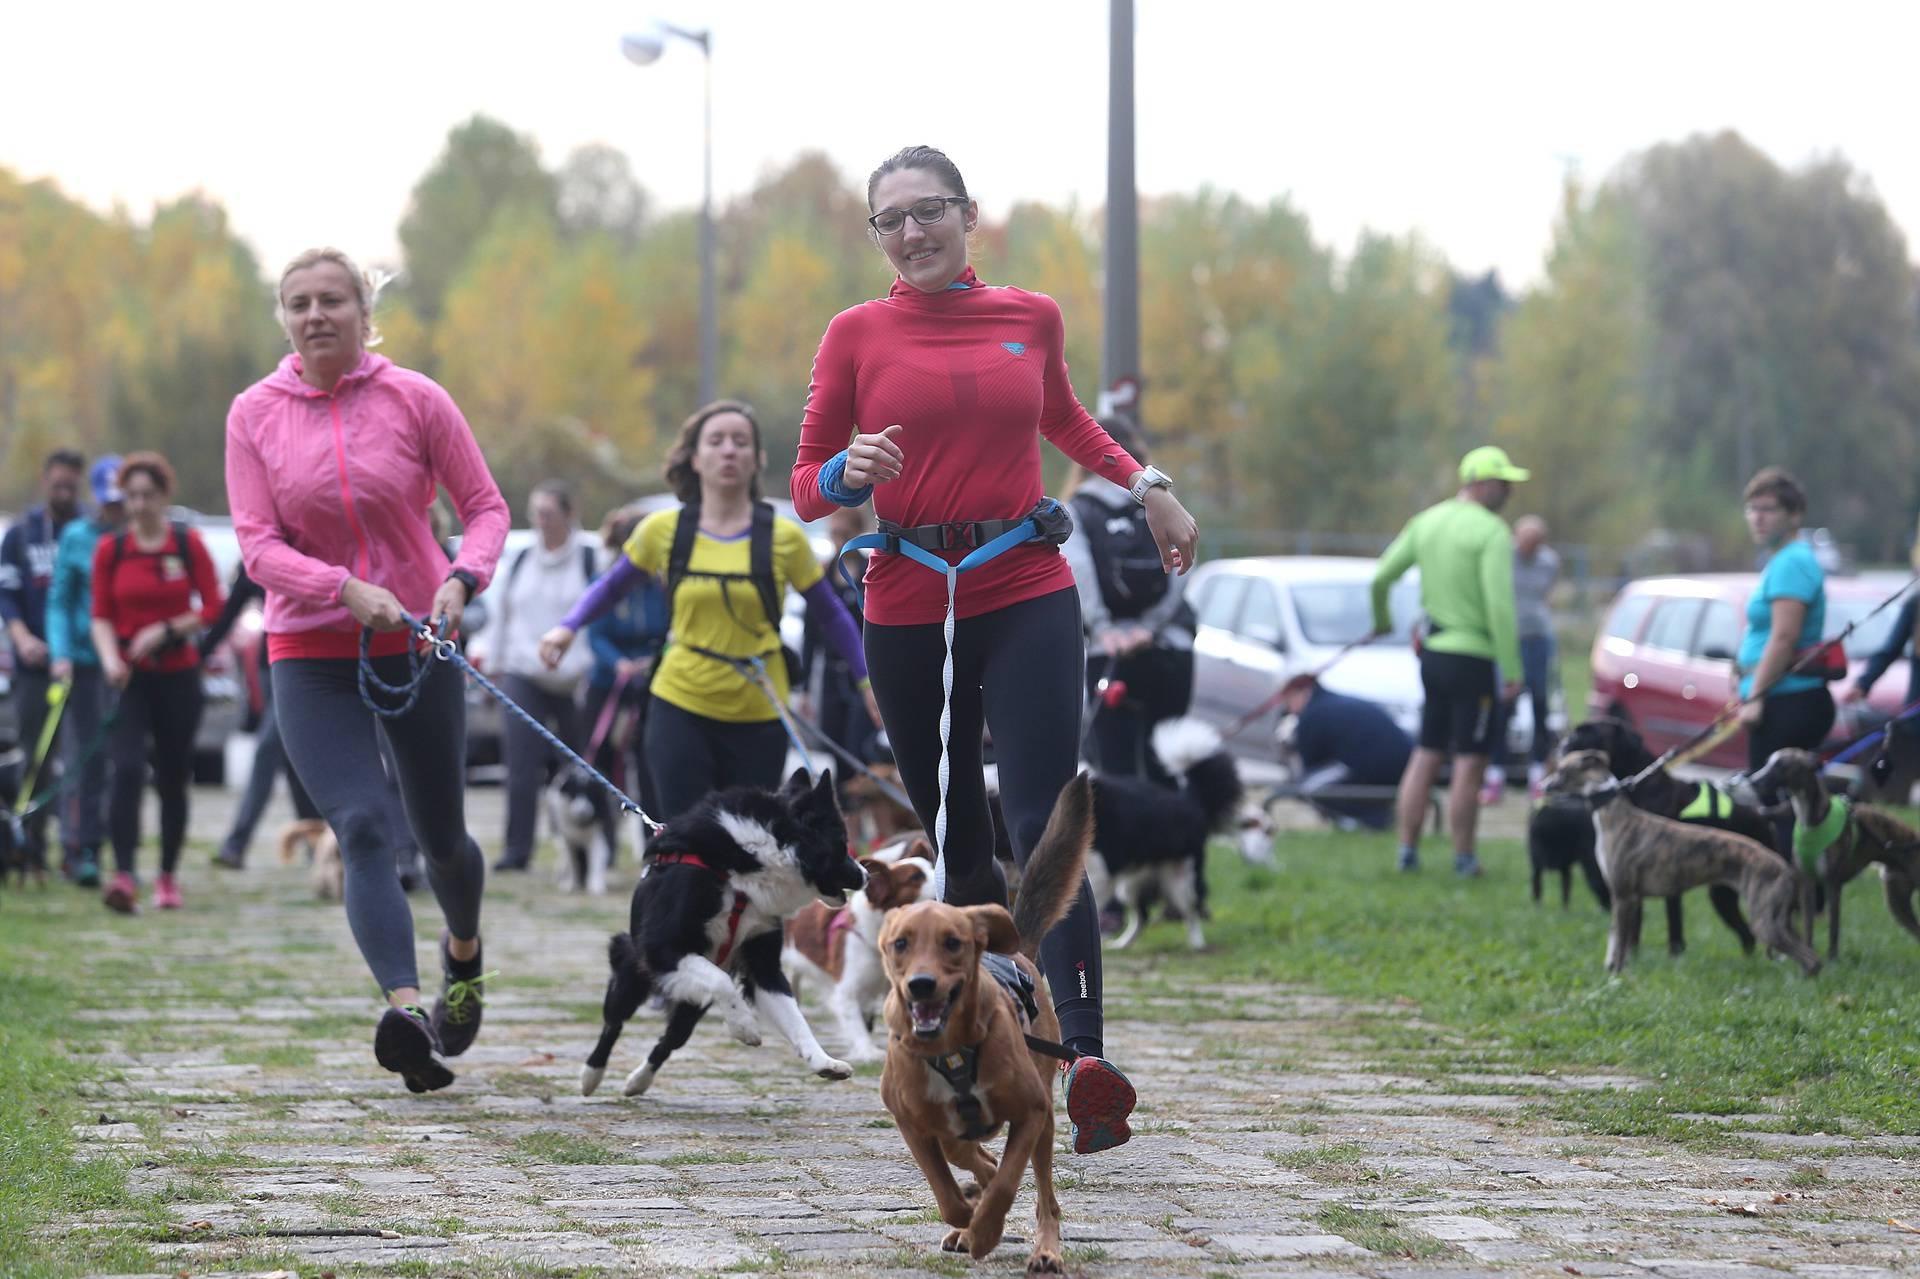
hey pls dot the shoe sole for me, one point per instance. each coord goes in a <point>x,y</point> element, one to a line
<point>1099,1099</point>
<point>403,1046</point>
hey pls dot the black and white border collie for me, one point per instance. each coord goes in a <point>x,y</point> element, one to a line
<point>583,823</point>
<point>1146,836</point>
<point>709,915</point>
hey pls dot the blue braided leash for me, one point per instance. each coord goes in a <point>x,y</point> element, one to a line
<point>446,650</point>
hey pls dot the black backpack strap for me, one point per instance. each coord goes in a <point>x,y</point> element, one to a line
<point>180,541</point>
<point>686,526</point>
<point>586,561</point>
<point>513,569</point>
<point>1090,517</point>
<point>760,562</point>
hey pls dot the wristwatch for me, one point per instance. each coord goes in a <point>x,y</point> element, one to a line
<point>1151,477</point>
<point>467,580</point>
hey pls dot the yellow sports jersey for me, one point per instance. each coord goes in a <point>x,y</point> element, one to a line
<point>726,617</point>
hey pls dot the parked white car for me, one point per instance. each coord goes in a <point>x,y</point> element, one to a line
<point>1262,621</point>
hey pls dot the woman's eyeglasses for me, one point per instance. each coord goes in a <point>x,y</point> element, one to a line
<point>926,212</point>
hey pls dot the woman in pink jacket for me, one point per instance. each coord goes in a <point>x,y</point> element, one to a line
<point>332,463</point>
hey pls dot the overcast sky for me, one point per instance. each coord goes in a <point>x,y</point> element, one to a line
<point>311,123</point>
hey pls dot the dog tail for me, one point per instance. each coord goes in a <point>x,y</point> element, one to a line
<point>1182,743</point>
<point>1051,881</point>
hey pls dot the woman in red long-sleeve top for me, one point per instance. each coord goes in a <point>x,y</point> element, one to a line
<point>154,589</point>
<point>932,401</point>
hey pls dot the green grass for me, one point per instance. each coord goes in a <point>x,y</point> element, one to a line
<point>1501,984</point>
<point>1378,1232</point>
<point>565,1148</point>
<point>45,1174</point>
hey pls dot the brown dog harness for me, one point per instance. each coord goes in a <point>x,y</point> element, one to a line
<point>739,899</point>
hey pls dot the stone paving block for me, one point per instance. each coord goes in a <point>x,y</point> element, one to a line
<point>1456,1228</point>
<point>1271,1247</point>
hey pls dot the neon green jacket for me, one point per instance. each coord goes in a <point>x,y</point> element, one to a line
<point>1465,554</point>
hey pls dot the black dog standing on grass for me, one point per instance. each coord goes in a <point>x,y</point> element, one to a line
<point>709,919</point>
<point>1560,834</point>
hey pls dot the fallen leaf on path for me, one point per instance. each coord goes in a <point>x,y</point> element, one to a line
<point>1570,1270</point>
<point>1901,1225</point>
<point>1744,1210</point>
<point>538,1059</point>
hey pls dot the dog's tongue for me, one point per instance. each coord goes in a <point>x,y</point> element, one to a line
<point>927,1012</point>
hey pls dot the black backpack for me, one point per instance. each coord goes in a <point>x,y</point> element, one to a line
<point>1125,556</point>
<point>586,563</point>
<point>759,572</point>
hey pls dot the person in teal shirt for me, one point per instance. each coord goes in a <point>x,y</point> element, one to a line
<point>72,660</point>
<point>1465,554</point>
<point>1786,615</point>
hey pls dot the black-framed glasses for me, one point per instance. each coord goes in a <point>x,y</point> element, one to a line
<point>926,212</point>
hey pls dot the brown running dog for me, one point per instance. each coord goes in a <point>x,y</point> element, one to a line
<point>1646,856</point>
<point>958,1068</point>
<point>1869,834</point>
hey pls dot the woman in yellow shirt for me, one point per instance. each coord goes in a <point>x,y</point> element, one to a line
<point>727,560</point>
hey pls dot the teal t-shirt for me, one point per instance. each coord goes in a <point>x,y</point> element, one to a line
<point>1792,574</point>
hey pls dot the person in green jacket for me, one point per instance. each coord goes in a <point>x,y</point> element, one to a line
<point>1465,554</point>
<point>72,660</point>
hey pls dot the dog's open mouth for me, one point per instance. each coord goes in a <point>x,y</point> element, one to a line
<point>929,1016</point>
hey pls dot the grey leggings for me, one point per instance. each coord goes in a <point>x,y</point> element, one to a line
<point>331,739</point>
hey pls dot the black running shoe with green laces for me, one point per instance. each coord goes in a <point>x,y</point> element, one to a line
<point>405,1044</point>
<point>456,1014</point>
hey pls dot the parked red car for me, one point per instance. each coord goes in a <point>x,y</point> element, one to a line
<point>1664,656</point>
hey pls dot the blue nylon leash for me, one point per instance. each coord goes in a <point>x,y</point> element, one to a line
<point>445,650</point>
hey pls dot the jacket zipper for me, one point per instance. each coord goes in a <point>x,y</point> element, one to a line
<point>363,558</point>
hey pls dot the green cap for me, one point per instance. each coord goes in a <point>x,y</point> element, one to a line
<point>1490,462</point>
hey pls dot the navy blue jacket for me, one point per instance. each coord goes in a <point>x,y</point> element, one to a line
<point>1336,729</point>
<point>1898,640</point>
<point>26,570</point>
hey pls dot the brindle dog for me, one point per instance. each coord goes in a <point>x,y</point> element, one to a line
<point>1869,835</point>
<point>1646,856</point>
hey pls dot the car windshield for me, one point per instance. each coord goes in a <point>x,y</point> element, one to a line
<point>1335,613</point>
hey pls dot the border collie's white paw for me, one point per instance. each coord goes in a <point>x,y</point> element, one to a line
<point>590,1077</point>
<point>742,1025</point>
<point>638,1082</point>
<point>831,1068</point>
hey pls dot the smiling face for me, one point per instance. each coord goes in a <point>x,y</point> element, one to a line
<point>931,952</point>
<point>322,312</point>
<point>927,257</point>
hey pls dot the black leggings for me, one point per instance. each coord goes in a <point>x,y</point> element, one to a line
<point>161,708</point>
<point>1790,719</point>
<point>332,742</point>
<point>1018,672</point>
<point>689,756</point>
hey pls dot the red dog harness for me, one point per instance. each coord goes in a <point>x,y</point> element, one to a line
<point>739,898</point>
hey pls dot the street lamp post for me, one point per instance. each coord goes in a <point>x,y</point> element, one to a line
<point>1120,353</point>
<point>642,50</point>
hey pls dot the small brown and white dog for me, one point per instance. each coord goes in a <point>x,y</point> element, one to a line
<point>958,1068</point>
<point>840,949</point>
<point>313,839</point>
<point>1643,856</point>
<point>1866,834</point>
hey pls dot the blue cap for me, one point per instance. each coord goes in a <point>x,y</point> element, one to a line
<point>105,477</point>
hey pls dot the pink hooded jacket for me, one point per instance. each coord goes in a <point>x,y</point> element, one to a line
<point>326,487</point>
